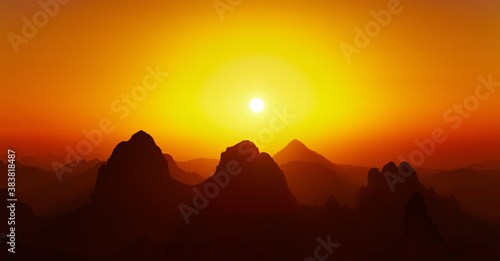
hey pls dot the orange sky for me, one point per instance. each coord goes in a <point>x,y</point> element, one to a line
<point>72,74</point>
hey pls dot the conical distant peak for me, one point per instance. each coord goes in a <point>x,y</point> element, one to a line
<point>296,144</point>
<point>296,147</point>
<point>298,151</point>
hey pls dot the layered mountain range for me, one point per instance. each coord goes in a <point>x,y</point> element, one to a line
<point>254,207</point>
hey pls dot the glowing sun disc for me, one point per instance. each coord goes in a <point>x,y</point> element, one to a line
<point>256,105</point>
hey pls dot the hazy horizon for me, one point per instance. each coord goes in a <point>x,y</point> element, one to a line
<point>217,157</point>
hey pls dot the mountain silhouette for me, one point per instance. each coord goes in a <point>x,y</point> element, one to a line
<point>136,193</point>
<point>486,165</point>
<point>82,166</point>
<point>203,167</point>
<point>312,177</point>
<point>297,151</point>
<point>189,178</point>
<point>477,191</point>
<point>422,239</point>
<point>312,183</point>
<point>247,211</point>
<point>135,171</point>
<point>134,197</point>
<point>385,208</point>
<point>30,161</point>
<point>47,195</point>
<point>258,184</point>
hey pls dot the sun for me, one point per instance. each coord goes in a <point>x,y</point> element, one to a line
<point>257,105</point>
